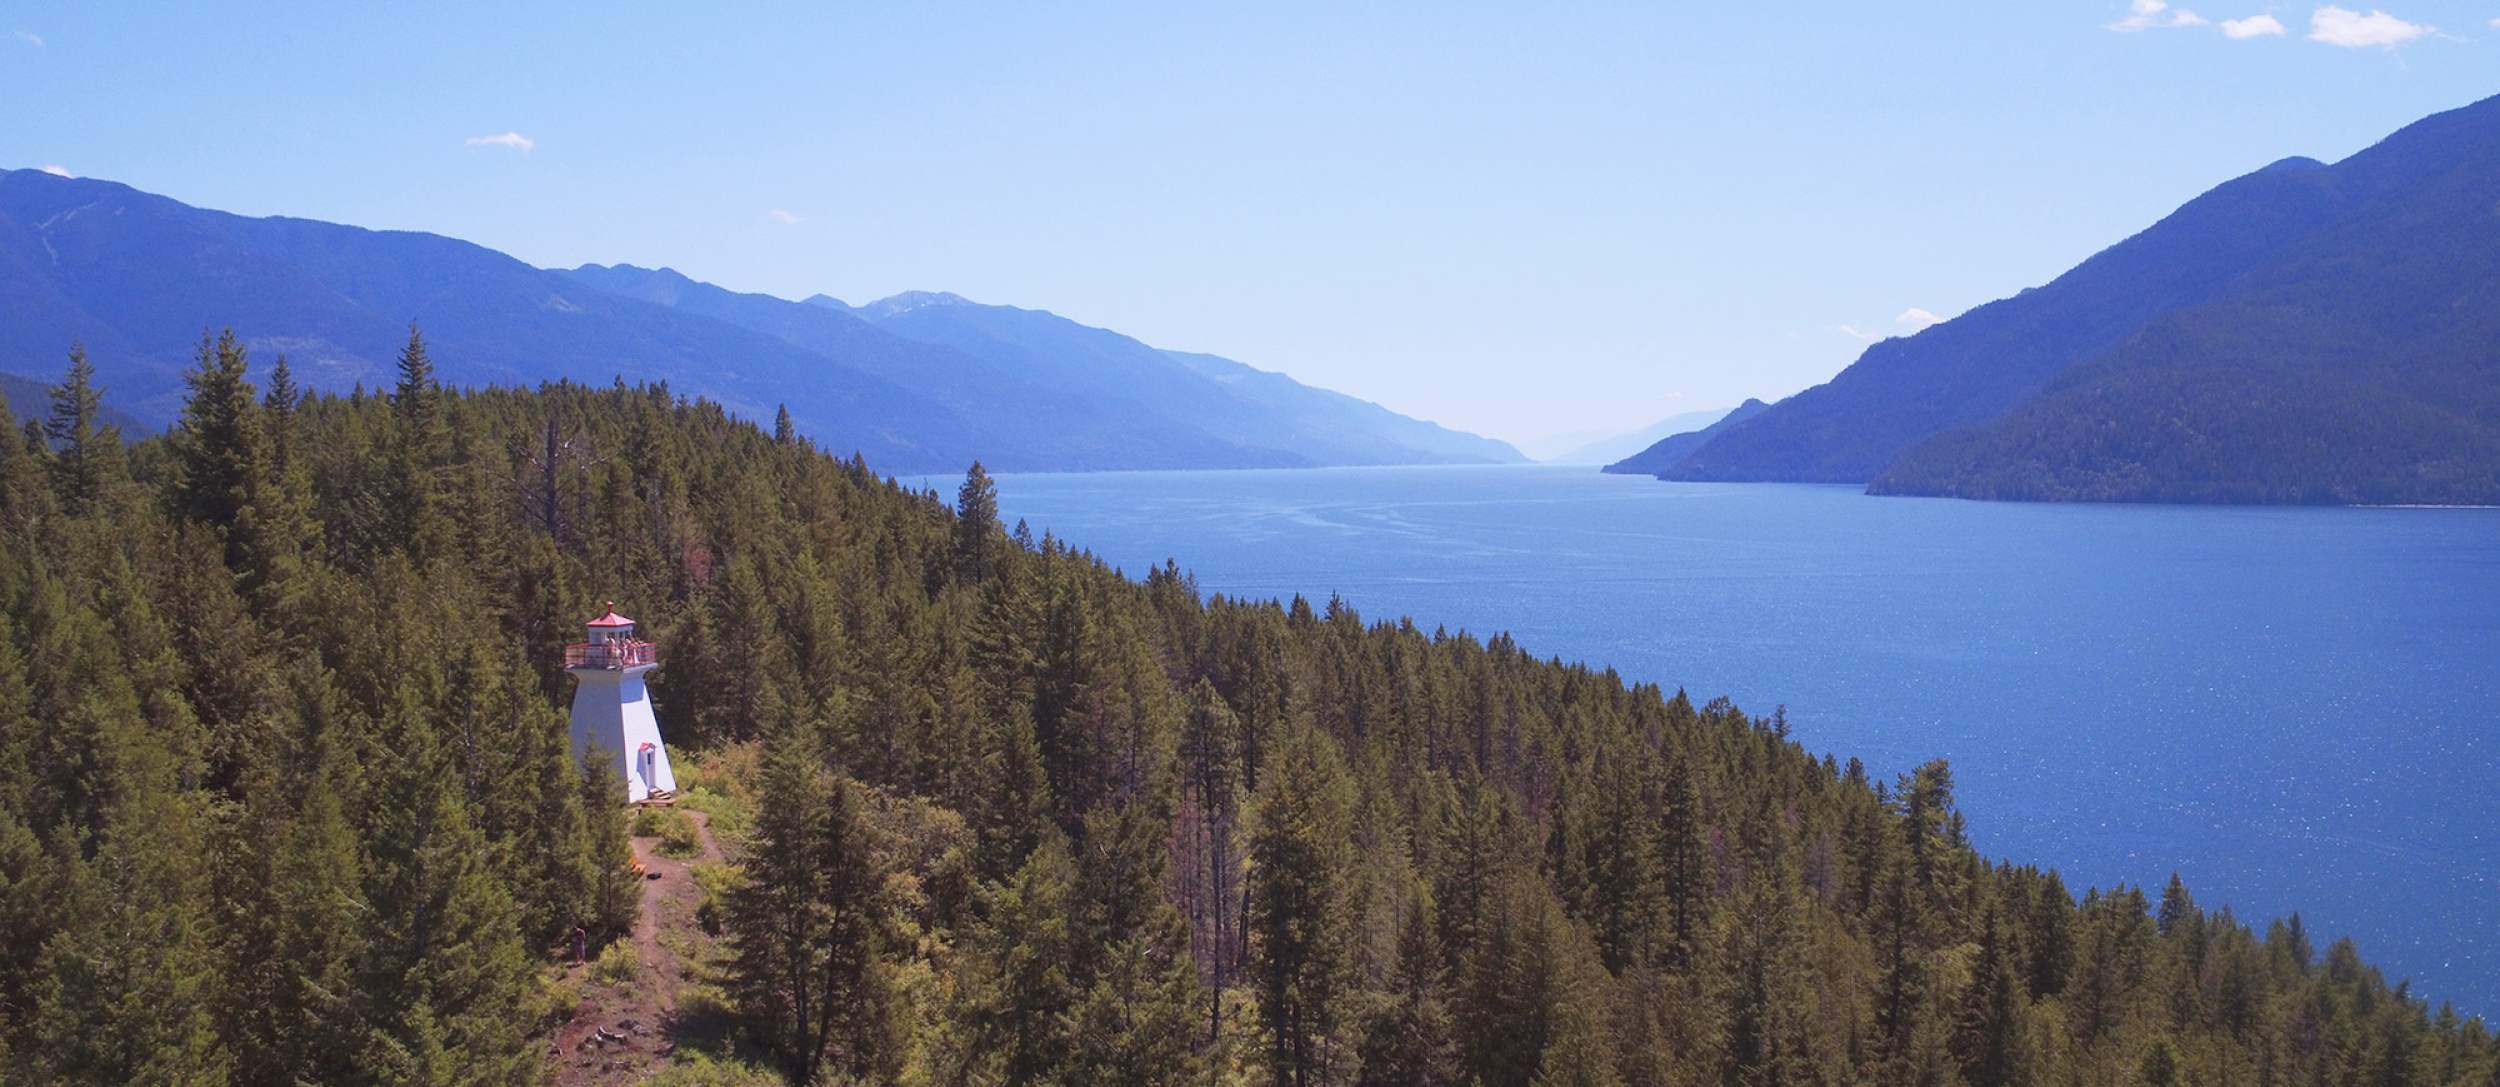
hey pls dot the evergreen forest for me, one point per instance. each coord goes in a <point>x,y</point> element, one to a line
<point>286,796</point>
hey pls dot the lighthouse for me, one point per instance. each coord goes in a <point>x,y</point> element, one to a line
<point>612,707</point>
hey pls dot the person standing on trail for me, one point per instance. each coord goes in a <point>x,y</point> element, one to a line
<point>581,945</point>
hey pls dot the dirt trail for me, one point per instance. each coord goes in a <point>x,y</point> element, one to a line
<point>621,1034</point>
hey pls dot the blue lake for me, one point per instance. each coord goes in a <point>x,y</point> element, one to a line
<point>2295,709</point>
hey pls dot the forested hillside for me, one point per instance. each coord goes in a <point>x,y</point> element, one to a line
<point>2361,365</point>
<point>2304,334</point>
<point>1665,453</point>
<point>285,797</point>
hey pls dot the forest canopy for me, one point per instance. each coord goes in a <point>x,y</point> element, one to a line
<point>286,796</point>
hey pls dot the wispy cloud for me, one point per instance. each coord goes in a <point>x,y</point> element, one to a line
<point>1917,318</point>
<point>1854,334</point>
<point>57,171</point>
<point>2153,14</point>
<point>513,140</point>
<point>2353,30</point>
<point>30,38</point>
<point>2255,26</point>
<point>787,217</point>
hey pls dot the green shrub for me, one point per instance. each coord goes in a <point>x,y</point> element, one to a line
<point>678,835</point>
<point>695,1068</point>
<point>617,964</point>
<point>729,814</point>
<point>713,881</point>
<point>647,822</point>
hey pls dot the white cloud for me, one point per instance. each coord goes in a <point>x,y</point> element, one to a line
<point>30,38</point>
<point>2149,14</point>
<point>787,217</point>
<point>2255,26</point>
<point>1917,318</point>
<point>57,171</point>
<point>1852,333</point>
<point>2495,23</point>
<point>514,140</point>
<point>2353,30</point>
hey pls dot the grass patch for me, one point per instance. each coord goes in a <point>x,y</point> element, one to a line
<point>730,817</point>
<point>713,881</point>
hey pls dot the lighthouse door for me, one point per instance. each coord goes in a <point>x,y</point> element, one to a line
<point>647,766</point>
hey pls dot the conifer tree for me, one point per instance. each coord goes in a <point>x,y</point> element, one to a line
<point>615,899</point>
<point>219,448</point>
<point>1992,1037</point>
<point>976,526</point>
<point>419,448</point>
<point>1012,996</point>
<point>445,966</point>
<point>1210,757</point>
<point>1300,908</point>
<point>294,938</point>
<point>804,924</point>
<point>1407,1044</point>
<point>86,452</point>
<point>278,407</point>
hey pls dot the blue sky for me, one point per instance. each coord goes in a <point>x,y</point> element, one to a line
<point>1519,222</point>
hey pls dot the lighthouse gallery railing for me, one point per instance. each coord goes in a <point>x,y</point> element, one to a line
<point>614,656</point>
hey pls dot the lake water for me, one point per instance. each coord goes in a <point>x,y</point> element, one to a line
<point>2295,709</point>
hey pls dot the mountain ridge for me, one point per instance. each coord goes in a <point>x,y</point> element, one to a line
<point>2361,366</point>
<point>1991,361</point>
<point>138,278</point>
<point>1665,452</point>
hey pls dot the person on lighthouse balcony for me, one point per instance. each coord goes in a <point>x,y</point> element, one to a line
<point>612,708</point>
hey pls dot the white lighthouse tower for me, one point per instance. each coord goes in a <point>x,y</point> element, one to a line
<point>612,708</point>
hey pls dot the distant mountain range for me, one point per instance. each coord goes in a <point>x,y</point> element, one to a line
<point>1591,450</point>
<point>2303,334</point>
<point>918,382</point>
<point>1667,451</point>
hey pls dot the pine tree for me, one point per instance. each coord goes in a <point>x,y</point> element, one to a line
<point>1514,983</point>
<point>86,453</point>
<point>445,967</point>
<point>976,526</point>
<point>278,407</point>
<point>295,937</point>
<point>1210,757</point>
<point>419,448</point>
<point>1769,1034</point>
<point>219,447</point>
<point>1013,993</point>
<point>616,888</point>
<point>1407,1044</point>
<point>1992,1036</point>
<point>1300,908</point>
<point>803,923</point>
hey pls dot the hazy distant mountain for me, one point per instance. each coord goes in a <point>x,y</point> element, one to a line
<point>1251,407</point>
<point>139,278</point>
<point>1667,451</point>
<point>2305,333</point>
<point>1615,447</point>
<point>1024,425</point>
